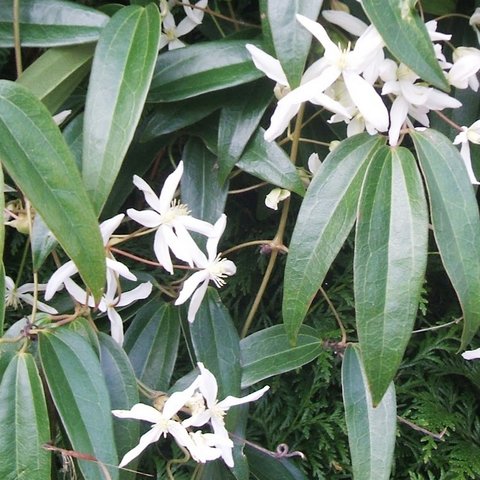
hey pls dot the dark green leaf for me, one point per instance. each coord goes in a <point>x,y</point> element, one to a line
<point>455,220</point>
<point>121,73</point>
<point>268,352</point>
<point>42,166</point>
<point>371,431</point>
<point>325,219</point>
<point>73,134</point>
<point>77,386</point>
<point>389,263</point>
<point>201,68</point>
<point>439,7</point>
<point>24,424</point>
<point>43,242</point>
<point>406,36</point>
<point>49,23</point>
<point>151,343</point>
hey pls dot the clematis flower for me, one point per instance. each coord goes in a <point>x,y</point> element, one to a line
<point>466,64</point>
<point>171,219</point>
<point>216,410</point>
<point>469,134</point>
<point>213,268</point>
<point>275,196</point>
<point>471,354</point>
<point>14,296</point>
<point>475,21</point>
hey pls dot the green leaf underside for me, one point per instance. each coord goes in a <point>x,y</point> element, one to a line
<point>121,73</point>
<point>325,219</point>
<point>455,219</point>
<point>406,36</point>
<point>151,343</point>
<point>201,68</point>
<point>42,166</point>
<point>389,262</point>
<point>49,23</point>
<point>24,424</point>
<point>268,352</point>
<point>371,431</point>
<point>78,389</point>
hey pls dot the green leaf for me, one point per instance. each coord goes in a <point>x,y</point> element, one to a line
<point>43,242</point>
<point>371,431</point>
<point>49,23</point>
<point>201,189</point>
<point>268,352</point>
<point>217,344</point>
<point>325,219</point>
<point>239,119</point>
<point>389,262</point>
<point>201,68</point>
<point>56,74</point>
<point>121,73</point>
<point>2,299</point>
<point>290,39</point>
<point>151,343</point>
<point>455,219</point>
<point>42,166</point>
<point>406,36</point>
<point>268,161</point>
<point>77,386</point>
<point>439,7</point>
<point>24,424</point>
<point>122,388</point>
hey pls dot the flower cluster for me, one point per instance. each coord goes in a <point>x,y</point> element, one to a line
<point>200,405</point>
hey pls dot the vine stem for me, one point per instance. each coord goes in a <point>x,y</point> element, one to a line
<point>16,37</point>
<point>278,238</point>
<point>336,315</point>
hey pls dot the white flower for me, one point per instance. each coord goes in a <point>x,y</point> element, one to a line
<point>172,32</point>
<point>216,410</point>
<point>69,269</point>
<point>14,296</point>
<point>162,424</point>
<point>471,354</point>
<point>171,219</point>
<point>469,134</point>
<point>466,64</point>
<point>475,21</point>
<point>275,196</point>
<point>314,163</point>
<point>212,268</point>
<point>345,20</point>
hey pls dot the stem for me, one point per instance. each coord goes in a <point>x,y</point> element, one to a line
<point>336,315</point>
<point>183,460</point>
<point>16,37</point>
<point>436,436</point>
<point>283,248</point>
<point>436,327</point>
<point>35,274</point>
<point>447,120</point>
<point>247,189</point>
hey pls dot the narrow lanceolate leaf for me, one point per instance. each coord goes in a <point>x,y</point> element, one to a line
<point>77,386</point>
<point>239,119</point>
<point>290,39</point>
<point>49,23</point>
<point>216,343</point>
<point>268,352</point>
<point>269,162</point>
<point>42,166</point>
<point>389,263</point>
<point>42,243</point>
<point>201,68</point>
<point>55,74</point>
<point>121,73</point>
<point>371,431</point>
<point>406,36</point>
<point>24,425</point>
<point>455,219</point>
<point>151,343</point>
<point>325,219</point>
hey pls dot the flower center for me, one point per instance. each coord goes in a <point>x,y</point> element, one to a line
<point>176,210</point>
<point>219,269</point>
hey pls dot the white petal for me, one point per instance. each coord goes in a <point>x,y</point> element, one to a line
<point>212,242</point>
<point>116,325</point>
<point>320,34</point>
<point>162,252</point>
<point>27,298</point>
<point>120,268</point>
<point>145,440</point>
<point>398,115</point>
<point>270,66</point>
<point>140,411</point>
<point>109,226</point>
<point>147,218</point>
<point>78,293</point>
<point>196,301</point>
<point>175,44</point>
<point>178,399</point>
<point>184,27</point>
<point>58,278</point>
<point>439,100</point>
<point>150,196</point>
<point>196,14</point>
<point>280,119</point>
<point>325,101</point>
<point>346,21</point>
<point>196,225</point>
<point>169,188</point>
<point>465,153</point>
<point>207,384</point>
<point>138,293</point>
<point>471,354</point>
<point>190,285</point>
<point>232,401</point>
<point>181,249</point>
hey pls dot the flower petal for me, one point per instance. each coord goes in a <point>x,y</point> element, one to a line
<point>147,218</point>
<point>320,34</point>
<point>207,384</point>
<point>398,115</point>
<point>231,401</point>
<point>344,20</point>
<point>196,301</point>
<point>150,196</point>
<point>145,440</point>
<point>116,325</point>
<point>270,66</point>
<point>58,278</point>
<point>471,354</point>
<point>140,411</point>
<point>138,293</point>
<point>109,226</point>
<point>120,268</point>
<point>280,119</point>
<point>162,252</point>
<point>169,188</point>
<point>190,285</point>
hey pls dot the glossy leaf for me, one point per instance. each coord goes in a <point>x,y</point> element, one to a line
<point>217,344</point>
<point>49,23</point>
<point>121,73</point>
<point>201,68</point>
<point>290,39</point>
<point>201,189</point>
<point>389,262</point>
<point>266,160</point>
<point>122,388</point>
<point>406,36</point>
<point>325,219</point>
<point>56,74</point>
<point>151,343</point>
<point>455,219</point>
<point>239,119</point>
<point>371,431</point>
<point>42,166</point>
<point>268,352</point>
<point>42,243</point>
<point>24,424</point>
<point>77,386</point>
